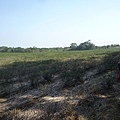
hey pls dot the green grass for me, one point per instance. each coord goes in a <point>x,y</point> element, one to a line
<point>8,58</point>
<point>68,64</point>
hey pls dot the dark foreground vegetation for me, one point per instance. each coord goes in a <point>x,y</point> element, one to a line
<point>69,85</point>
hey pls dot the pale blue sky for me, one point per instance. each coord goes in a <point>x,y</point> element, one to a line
<point>58,23</point>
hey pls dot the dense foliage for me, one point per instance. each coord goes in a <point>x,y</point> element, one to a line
<point>88,45</point>
<point>83,46</point>
<point>31,49</point>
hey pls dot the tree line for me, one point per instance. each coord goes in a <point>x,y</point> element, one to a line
<point>87,45</point>
<point>31,49</point>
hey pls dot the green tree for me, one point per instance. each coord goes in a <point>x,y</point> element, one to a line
<point>86,46</point>
<point>73,45</point>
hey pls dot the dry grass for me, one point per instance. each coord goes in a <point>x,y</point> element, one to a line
<point>82,102</point>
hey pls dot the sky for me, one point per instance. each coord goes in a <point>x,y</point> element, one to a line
<point>58,23</point>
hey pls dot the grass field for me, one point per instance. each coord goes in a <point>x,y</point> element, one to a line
<point>67,62</point>
<point>25,71</point>
<point>7,58</point>
<point>52,61</point>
